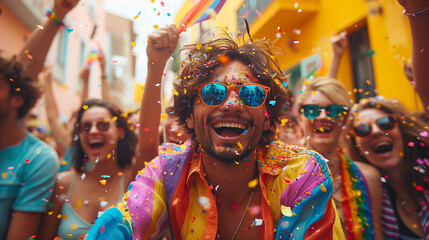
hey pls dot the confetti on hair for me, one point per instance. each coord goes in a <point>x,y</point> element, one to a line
<point>252,183</point>
<point>284,121</point>
<point>223,59</point>
<point>239,145</point>
<point>273,102</point>
<point>175,93</point>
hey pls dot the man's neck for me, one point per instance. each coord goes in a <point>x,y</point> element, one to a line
<point>230,180</point>
<point>11,133</point>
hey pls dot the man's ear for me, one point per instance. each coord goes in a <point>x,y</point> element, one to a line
<point>16,101</point>
<point>190,122</point>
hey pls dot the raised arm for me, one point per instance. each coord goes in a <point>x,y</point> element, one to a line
<point>58,130</point>
<point>418,17</point>
<point>104,84</point>
<point>41,39</point>
<point>161,44</point>
<point>339,45</point>
<point>84,76</point>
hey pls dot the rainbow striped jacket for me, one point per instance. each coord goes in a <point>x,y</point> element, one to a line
<point>163,201</point>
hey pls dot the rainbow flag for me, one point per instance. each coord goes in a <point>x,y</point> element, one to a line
<point>92,57</point>
<point>200,12</point>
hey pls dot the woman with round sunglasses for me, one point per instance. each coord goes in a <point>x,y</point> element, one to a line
<point>102,168</point>
<point>323,109</point>
<point>386,135</point>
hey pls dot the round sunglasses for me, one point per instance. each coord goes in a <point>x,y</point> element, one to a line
<point>385,123</point>
<point>214,94</point>
<point>102,125</point>
<point>333,111</point>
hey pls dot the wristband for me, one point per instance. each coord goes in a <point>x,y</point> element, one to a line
<point>53,18</point>
<point>416,14</point>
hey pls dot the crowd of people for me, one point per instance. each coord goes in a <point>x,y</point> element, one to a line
<point>225,164</point>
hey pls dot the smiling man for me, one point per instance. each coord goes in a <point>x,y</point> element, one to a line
<point>230,181</point>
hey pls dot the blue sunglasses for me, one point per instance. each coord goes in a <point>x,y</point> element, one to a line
<point>214,94</point>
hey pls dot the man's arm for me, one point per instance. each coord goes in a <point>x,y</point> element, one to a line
<point>161,44</point>
<point>23,225</point>
<point>419,25</point>
<point>41,39</point>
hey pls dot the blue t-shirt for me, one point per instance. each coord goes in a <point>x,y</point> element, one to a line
<point>28,170</point>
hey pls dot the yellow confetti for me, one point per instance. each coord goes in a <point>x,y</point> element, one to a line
<point>78,204</point>
<point>305,170</point>
<point>109,155</point>
<point>103,182</point>
<point>69,235</point>
<point>239,145</point>
<point>284,121</point>
<point>175,92</point>
<point>26,51</point>
<point>85,107</point>
<point>59,216</point>
<point>40,27</point>
<point>198,46</point>
<point>164,116</point>
<point>125,43</point>
<point>50,213</point>
<point>286,211</point>
<point>252,183</point>
<point>137,16</point>
<point>323,188</point>
<point>155,26</point>
<point>115,118</point>
<point>415,225</point>
<point>3,175</point>
<point>63,162</point>
<point>73,226</point>
<point>313,92</point>
<point>152,1</point>
<point>17,89</point>
<point>133,44</point>
<point>184,91</point>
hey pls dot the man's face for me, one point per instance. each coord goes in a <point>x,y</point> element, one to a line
<point>231,131</point>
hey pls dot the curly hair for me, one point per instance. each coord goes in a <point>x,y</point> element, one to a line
<point>410,128</point>
<point>20,84</point>
<point>126,146</point>
<point>203,59</point>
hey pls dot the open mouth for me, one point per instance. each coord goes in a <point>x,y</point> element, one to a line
<point>96,144</point>
<point>228,129</point>
<point>322,129</point>
<point>383,147</point>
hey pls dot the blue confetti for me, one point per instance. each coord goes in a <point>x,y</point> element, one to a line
<point>273,102</point>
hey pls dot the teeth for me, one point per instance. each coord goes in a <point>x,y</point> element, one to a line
<point>95,141</point>
<point>382,144</point>
<point>229,124</point>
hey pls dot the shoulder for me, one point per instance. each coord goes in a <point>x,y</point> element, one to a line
<point>62,183</point>
<point>38,149</point>
<point>369,172</point>
<point>279,155</point>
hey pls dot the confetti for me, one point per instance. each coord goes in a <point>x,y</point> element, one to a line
<point>239,145</point>
<point>257,222</point>
<point>323,188</point>
<point>40,27</point>
<point>204,202</point>
<point>272,102</point>
<point>286,211</point>
<point>252,183</point>
<point>284,121</point>
<point>103,182</point>
<point>133,44</point>
<point>259,13</point>
<point>175,92</point>
<point>155,27</point>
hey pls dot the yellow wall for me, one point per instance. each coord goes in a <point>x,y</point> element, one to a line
<point>388,34</point>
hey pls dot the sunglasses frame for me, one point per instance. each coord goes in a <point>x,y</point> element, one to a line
<point>81,131</point>
<point>344,108</point>
<point>376,122</point>
<point>234,86</point>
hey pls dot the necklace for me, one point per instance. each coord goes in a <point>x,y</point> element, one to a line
<point>244,214</point>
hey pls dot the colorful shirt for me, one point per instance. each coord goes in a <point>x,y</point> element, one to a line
<point>390,219</point>
<point>164,198</point>
<point>356,202</point>
<point>28,172</point>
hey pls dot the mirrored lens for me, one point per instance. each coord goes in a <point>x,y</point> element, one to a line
<point>252,95</point>
<point>334,111</point>
<point>386,123</point>
<point>213,94</point>
<point>362,130</point>
<point>311,111</point>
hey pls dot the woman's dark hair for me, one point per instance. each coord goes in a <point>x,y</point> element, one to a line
<point>415,146</point>
<point>204,58</point>
<point>126,146</point>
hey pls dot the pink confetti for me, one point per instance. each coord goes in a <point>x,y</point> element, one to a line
<point>424,134</point>
<point>411,144</point>
<point>115,61</point>
<point>259,13</point>
<point>146,129</point>
<point>422,50</point>
<point>162,3</point>
<point>102,229</point>
<point>29,56</point>
<point>234,206</point>
<point>246,14</point>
